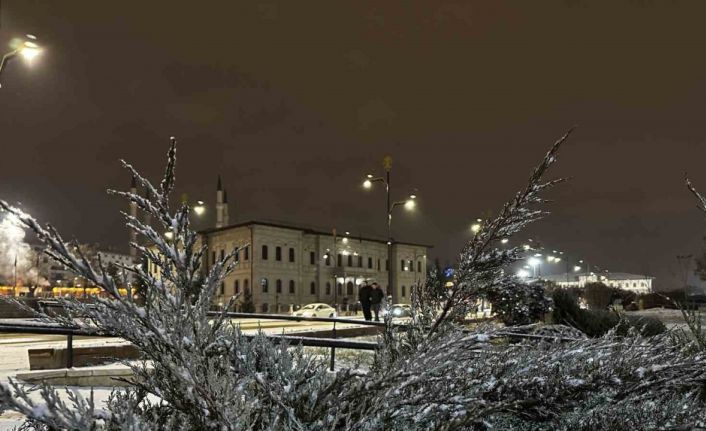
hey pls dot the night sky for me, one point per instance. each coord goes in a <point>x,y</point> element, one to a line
<point>292,102</point>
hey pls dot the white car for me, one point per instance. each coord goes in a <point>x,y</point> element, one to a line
<point>315,310</point>
<point>398,310</point>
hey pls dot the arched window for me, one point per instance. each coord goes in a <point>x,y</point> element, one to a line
<point>349,288</point>
<point>402,265</point>
<point>246,284</point>
<point>312,258</point>
<point>264,284</point>
<point>223,288</point>
<point>236,286</point>
<point>360,261</point>
<point>340,259</point>
<point>419,266</point>
<point>278,254</point>
<point>291,286</point>
<point>291,254</point>
<point>328,288</point>
<point>264,252</point>
<point>264,307</point>
<point>350,260</point>
<point>378,264</point>
<point>328,259</point>
<point>339,288</point>
<point>278,286</point>
<point>411,266</point>
<point>246,252</point>
<point>370,262</point>
<point>312,288</point>
<point>388,292</point>
<point>404,291</point>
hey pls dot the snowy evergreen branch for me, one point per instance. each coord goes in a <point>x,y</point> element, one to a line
<point>480,264</point>
<point>200,373</point>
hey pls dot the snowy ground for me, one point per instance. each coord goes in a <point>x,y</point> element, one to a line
<point>671,318</point>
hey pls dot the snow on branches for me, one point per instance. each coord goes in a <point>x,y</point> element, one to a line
<point>200,373</point>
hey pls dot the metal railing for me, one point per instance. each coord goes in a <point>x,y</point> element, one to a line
<point>332,343</point>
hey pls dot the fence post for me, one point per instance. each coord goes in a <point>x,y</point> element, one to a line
<point>70,351</point>
<point>333,349</point>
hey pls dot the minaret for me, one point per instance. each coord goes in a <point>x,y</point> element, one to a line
<point>219,203</point>
<point>226,221</point>
<point>133,213</point>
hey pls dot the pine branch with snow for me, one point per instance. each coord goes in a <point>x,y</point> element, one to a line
<point>201,373</point>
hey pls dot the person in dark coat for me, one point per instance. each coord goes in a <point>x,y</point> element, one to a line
<point>364,297</point>
<point>376,300</point>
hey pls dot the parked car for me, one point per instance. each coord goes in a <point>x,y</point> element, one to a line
<point>399,310</point>
<point>315,310</point>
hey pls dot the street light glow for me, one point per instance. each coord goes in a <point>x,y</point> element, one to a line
<point>30,50</point>
<point>410,204</point>
<point>504,241</point>
<point>523,273</point>
<point>533,261</point>
<point>367,184</point>
<point>475,228</point>
<point>199,208</point>
<point>577,268</point>
<point>550,258</point>
<point>169,234</point>
<point>526,246</point>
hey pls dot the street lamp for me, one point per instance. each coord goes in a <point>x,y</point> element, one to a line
<point>534,262</point>
<point>409,204</point>
<point>26,48</point>
<point>199,208</point>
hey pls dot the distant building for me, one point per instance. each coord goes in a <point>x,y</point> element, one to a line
<point>286,265</point>
<point>633,282</point>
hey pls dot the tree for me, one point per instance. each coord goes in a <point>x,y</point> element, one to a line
<point>519,303</point>
<point>598,296</point>
<point>203,374</point>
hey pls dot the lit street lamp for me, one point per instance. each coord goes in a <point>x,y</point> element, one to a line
<point>199,208</point>
<point>409,204</point>
<point>26,48</point>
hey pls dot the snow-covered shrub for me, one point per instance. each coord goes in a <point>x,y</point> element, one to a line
<point>201,373</point>
<point>519,303</point>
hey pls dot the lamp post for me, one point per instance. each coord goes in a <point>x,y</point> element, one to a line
<point>27,48</point>
<point>409,204</point>
<point>332,257</point>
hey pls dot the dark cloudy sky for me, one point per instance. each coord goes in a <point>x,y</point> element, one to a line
<point>293,101</point>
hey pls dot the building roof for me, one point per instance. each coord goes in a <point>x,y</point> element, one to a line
<point>311,231</point>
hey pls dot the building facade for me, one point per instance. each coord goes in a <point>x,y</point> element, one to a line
<point>637,283</point>
<point>284,266</point>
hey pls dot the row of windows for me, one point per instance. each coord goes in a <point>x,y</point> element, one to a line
<point>405,265</point>
<point>408,265</point>
<point>278,253</point>
<point>245,254</point>
<point>312,287</point>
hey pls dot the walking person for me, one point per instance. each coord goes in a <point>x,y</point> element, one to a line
<point>364,294</point>
<point>376,297</point>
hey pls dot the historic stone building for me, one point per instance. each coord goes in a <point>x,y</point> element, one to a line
<point>285,266</point>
